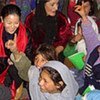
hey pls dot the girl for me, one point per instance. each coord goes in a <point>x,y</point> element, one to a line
<point>56,82</point>
<point>43,54</point>
<point>89,11</point>
<point>92,69</point>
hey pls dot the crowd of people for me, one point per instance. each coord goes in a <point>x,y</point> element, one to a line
<point>33,37</point>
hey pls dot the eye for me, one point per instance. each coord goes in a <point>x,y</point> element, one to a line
<point>43,60</point>
<point>9,23</point>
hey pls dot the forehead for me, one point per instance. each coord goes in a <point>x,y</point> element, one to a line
<point>12,16</point>
<point>39,56</point>
<point>87,3</point>
<point>53,1</point>
<point>45,74</point>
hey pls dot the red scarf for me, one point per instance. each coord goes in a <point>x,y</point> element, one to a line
<point>21,39</point>
<point>21,45</point>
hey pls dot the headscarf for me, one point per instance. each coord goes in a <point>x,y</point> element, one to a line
<point>47,23</point>
<point>68,92</point>
<point>71,89</point>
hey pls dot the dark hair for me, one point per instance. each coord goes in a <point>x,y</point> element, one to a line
<point>47,51</point>
<point>43,23</point>
<point>10,9</point>
<point>1,6</point>
<point>55,76</point>
<point>79,2</point>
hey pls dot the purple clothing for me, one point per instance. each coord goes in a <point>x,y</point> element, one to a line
<point>91,38</point>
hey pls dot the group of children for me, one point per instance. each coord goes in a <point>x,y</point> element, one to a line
<point>50,79</point>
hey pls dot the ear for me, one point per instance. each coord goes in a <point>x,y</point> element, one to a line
<point>59,84</point>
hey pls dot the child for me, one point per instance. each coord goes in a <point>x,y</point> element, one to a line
<point>56,82</point>
<point>89,11</point>
<point>43,54</point>
<point>92,69</point>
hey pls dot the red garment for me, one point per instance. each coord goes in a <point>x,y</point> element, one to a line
<point>12,1</point>
<point>12,87</point>
<point>63,35</point>
<point>71,14</point>
<point>21,40</point>
<point>21,45</point>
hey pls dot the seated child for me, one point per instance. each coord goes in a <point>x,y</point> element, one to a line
<point>56,82</point>
<point>43,54</point>
<point>92,68</point>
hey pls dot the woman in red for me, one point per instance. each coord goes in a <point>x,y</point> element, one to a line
<point>15,49</point>
<point>48,25</point>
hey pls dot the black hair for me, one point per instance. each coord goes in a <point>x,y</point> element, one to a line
<point>10,9</point>
<point>55,76</point>
<point>47,51</point>
<point>43,23</point>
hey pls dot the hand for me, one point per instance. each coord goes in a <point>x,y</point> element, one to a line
<point>10,62</point>
<point>59,49</point>
<point>80,9</point>
<point>19,92</point>
<point>11,44</point>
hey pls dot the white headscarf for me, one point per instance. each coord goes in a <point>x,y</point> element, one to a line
<point>71,89</point>
<point>68,93</point>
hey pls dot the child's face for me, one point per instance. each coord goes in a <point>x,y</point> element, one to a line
<point>40,61</point>
<point>46,83</point>
<point>87,7</point>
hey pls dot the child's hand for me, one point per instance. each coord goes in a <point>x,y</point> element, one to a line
<point>80,9</point>
<point>59,49</point>
<point>76,38</point>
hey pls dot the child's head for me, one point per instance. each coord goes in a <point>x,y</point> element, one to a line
<point>50,80</point>
<point>43,54</point>
<point>89,7</point>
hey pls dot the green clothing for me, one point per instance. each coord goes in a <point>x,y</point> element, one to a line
<point>22,65</point>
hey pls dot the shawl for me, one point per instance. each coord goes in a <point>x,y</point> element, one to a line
<point>21,39</point>
<point>68,93</point>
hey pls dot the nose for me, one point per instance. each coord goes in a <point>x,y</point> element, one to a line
<point>56,7</point>
<point>41,82</point>
<point>38,63</point>
<point>12,25</point>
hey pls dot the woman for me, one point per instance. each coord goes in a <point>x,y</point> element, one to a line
<point>15,48</point>
<point>56,82</point>
<point>48,25</point>
<point>24,5</point>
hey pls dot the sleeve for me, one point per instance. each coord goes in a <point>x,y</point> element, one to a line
<point>64,34</point>
<point>34,88</point>
<point>71,14</point>
<point>23,64</point>
<point>29,48</point>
